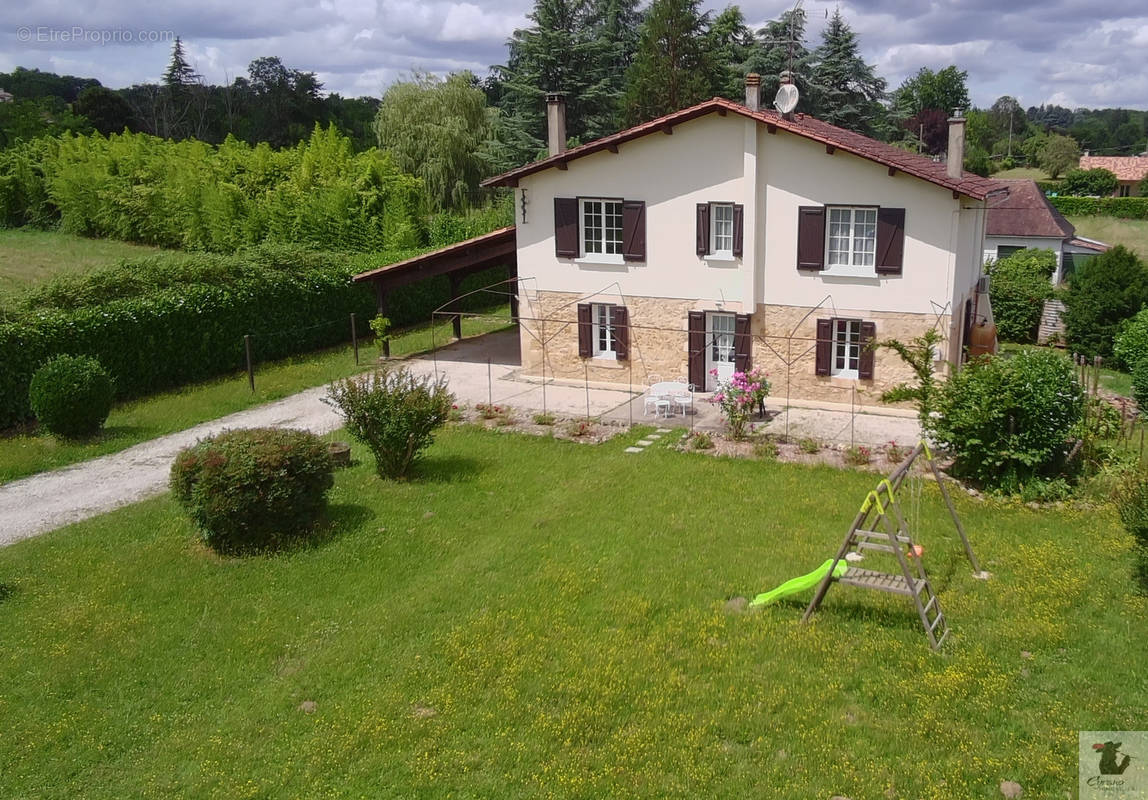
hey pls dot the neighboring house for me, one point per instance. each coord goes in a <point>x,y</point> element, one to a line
<point>6,97</point>
<point>1129,170</point>
<point>724,236</point>
<point>1020,217</point>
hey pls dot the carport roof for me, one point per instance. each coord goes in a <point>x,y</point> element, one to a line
<point>489,250</point>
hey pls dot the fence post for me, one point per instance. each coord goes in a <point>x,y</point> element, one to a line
<point>586,382</point>
<point>250,368</point>
<point>489,385</point>
<point>354,338</point>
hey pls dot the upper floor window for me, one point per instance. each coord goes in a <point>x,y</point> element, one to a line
<point>721,229</point>
<point>852,238</point>
<point>602,227</point>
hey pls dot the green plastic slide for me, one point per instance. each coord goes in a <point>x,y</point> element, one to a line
<point>800,584</point>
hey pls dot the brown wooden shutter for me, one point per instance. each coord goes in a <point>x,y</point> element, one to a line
<point>620,319</point>
<point>738,229</point>
<point>824,360</point>
<point>865,364</point>
<point>890,240</point>
<point>811,237</point>
<point>697,345</point>
<point>703,229</point>
<point>566,227</point>
<point>633,230</point>
<point>585,331</point>
<point>742,343</point>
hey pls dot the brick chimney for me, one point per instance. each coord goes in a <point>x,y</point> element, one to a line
<point>955,158</point>
<point>556,122</point>
<point>753,91</point>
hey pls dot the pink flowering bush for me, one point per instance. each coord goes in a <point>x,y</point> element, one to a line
<point>738,397</point>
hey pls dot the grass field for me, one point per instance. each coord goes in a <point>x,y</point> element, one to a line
<point>1034,173</point>
<point>536,618</point>
<point>1132,233</point>
<point>28,257</point>
<point>23,454</point>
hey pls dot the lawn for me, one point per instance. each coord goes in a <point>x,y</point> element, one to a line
<point>1034,173</point>
<point>23,454</point>
<point>28,257</point>
<point>1132,233</point>
<point>538,618</point>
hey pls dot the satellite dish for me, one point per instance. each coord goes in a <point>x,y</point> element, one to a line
<point>786,99</point>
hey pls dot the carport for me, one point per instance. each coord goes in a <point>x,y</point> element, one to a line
<point>456,261</point>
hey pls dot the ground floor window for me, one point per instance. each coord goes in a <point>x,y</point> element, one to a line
<point>846,348</point>
<point>605,341</point>
<point>1006,250</point>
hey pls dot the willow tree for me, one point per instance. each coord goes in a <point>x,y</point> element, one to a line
<point>438,129</point>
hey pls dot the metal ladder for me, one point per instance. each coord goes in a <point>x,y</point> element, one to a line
<point>879,527</point>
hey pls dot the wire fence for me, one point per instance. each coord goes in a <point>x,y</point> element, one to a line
<point>801,402</point>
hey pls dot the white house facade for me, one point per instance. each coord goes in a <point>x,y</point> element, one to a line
<point>724,237</point>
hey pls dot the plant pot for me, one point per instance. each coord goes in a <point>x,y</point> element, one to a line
<point>340,453</point>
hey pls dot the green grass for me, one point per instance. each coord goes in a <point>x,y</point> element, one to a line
<point>1035,173</point>
<point>23,454</point>
<point>28,257</point>
<point>1132,233</point>
<point>536,618</point>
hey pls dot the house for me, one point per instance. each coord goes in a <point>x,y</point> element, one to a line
<point>725,236</point>
<point>1020,217</point>
<point>1129,171</point>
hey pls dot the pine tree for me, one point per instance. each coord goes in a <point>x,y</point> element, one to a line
<point>561,53</point>
<point>848,90</point>
<point>179,74</point>
<point>673,68</point>
<point>780,47</point>
<point>729,41</point>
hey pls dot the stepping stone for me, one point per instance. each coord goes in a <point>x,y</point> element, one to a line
<point>633,450</point>
<point>654,436</point>
<point>663,430</point>
<point>644,443</point>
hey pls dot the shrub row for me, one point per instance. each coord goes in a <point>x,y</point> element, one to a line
<point>190,324</point>
<point>1121,207</point>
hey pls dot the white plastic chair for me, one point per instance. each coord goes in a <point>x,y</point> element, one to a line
<point>685,401</point>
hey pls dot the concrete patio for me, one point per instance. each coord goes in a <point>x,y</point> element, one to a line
<point>487,369</point>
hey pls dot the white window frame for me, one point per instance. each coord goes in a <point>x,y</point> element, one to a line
<point>594,244</point>
<point>605,342</point>
<point>716,250</point>
<point>846,348</point>
<point>857,256</point>
<point>723,342</point>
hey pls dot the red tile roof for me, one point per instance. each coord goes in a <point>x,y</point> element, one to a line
<point>1126,168</point>
<point>1023,210</point>
<point>895,158</point>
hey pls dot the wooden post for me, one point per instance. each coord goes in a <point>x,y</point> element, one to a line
<point>455,319</point>
<point>354,338</point>
<point>381,301</point>
<point>250,368</point>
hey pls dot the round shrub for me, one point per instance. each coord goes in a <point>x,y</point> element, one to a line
<point>1140,386</point>
<point>71,396</point>
<point>253,489</point>
<point>1008,421</point>
<point>1130,346</point>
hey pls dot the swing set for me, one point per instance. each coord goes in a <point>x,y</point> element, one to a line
<point>881,529</point>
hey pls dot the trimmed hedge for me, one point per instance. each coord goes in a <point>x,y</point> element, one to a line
<point>1120,207</point>
<point>186,322</point>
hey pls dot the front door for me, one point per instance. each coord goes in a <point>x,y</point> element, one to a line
<point>719,348</point>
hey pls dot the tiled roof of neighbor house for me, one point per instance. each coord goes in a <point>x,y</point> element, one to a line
<point>831,136</point>
<point>1024,211</point>
<point>1089,244</point>
<point>1125,168</point>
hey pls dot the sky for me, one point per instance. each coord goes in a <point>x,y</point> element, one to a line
<point>1070,52</point>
